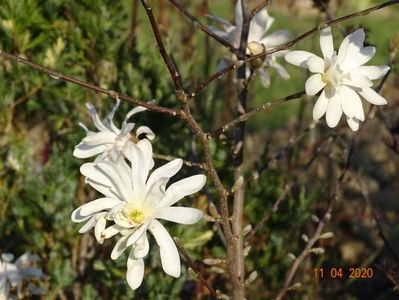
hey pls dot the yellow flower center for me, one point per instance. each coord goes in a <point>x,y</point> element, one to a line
<point>136,216</point>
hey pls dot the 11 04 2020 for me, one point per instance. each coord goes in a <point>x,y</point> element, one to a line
<point>340,272</point>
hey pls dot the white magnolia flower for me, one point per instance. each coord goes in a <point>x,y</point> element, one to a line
<point>110,142</point>
<point>133,201</point>
<point>14,276</point>
<point>342,77</point>
<point>257,41</point>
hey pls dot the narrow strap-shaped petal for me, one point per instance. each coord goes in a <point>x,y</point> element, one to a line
<point>259,25</point>
<point>356,58</point>
<point>166,171</point>
<point>351,44</point>
<point>99,138</point>
<point>182,188</point>
<point>99,227</point>
<point>133,238</point>
<point>315,64</point>
<point>353,123</point>
<point>132,112</point>
<point>96,119</point>
<point>98,205</point>
<point>320,107</point>
<point>264,77</point>
<point>169,255</point>
<point>181,215</point>
<point>142,246</point>
<point>334,110</point>
<point>326,42</point>
<point>314,84</point>
<point>89,225</point>
<point>351,104</point>
<point>109,118</point>
<point>82,150</point>
<point>119,247</point>
<point>111,231</point>
<point>149,134</point>
<point>298,58</point>
<point>238,14</point>
<point>135,271</point>
<point>372,72</point>
<point>359,81</point>
<point>276,38</point>
<point>372,96</point>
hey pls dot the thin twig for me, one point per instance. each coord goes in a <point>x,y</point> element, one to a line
<point>204,28</point>
<point>111,93</point>
<point>316,235</point>
<point>264,107</point>
<point>258,8</point>
<point>192,266</point>
<point>174,73</point>
<point>186,162</point>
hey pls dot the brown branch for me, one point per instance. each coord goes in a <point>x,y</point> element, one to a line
<point>204,28</point>
<point>238,276</point>
<point>174,73</point>
<point>186,162</point>
<point>258,8</point>
<point>198,273</point>
<point>265,107</point>
<point>111,93</point>
<point>133,25</point>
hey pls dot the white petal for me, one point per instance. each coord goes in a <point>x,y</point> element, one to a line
<point>99,229</point>
<point>298,58</point>
<point>259,25</point>
<point>98,205</point>
<point>372,72</point>
<point>372,96</point>
<point>26,259</point>
<point>141,248</point>
<point>353,123</point>
<point>314,84</point>
<point>96,120</point>
<point>139,171</point>
<point>280,70</point>
<point>99,138</point>
<point>149,134</point>
<point>169,255</point>
<point>181,215</point>
<point>135,272</point>
<point>351,104</point>
<point>351,44</point>
<point>119,247</point>
<point>133,238</point>
<point>264,77</point>
<point>146,147</point>
<point>182,188</point>
<point>359,81</point>
<point>334,110</point>
<point>132,112</point>
<point>89,225</point>
<point>276,38</point>
<point>315,64</point>
<point>320,107</point>
<point>355,59</point>
<point>238,14</point>
<point>83,150</point>
<point>109,118</point>
<point>111,231</point>
<point>326,42</point>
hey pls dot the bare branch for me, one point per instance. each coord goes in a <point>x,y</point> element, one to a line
<point>264,107</point>
<point>186,162</point>
<point>204,28</point>
<point>111,93</point>
<point>174,73</point>
<point>260,6</point>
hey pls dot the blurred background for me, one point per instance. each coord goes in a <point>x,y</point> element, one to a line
<point>110,44</point>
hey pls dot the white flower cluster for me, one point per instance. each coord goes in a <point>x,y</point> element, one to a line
<point>257,42</point>
<point>17,279</point>
<point>341,77</point>
<point>134,195</point>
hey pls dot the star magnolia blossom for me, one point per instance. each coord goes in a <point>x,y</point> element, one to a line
<point>257,41</point>
<point>342,77</point>
<point>15,276</point>
<point>133,201</point>
<point>110,142</point>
